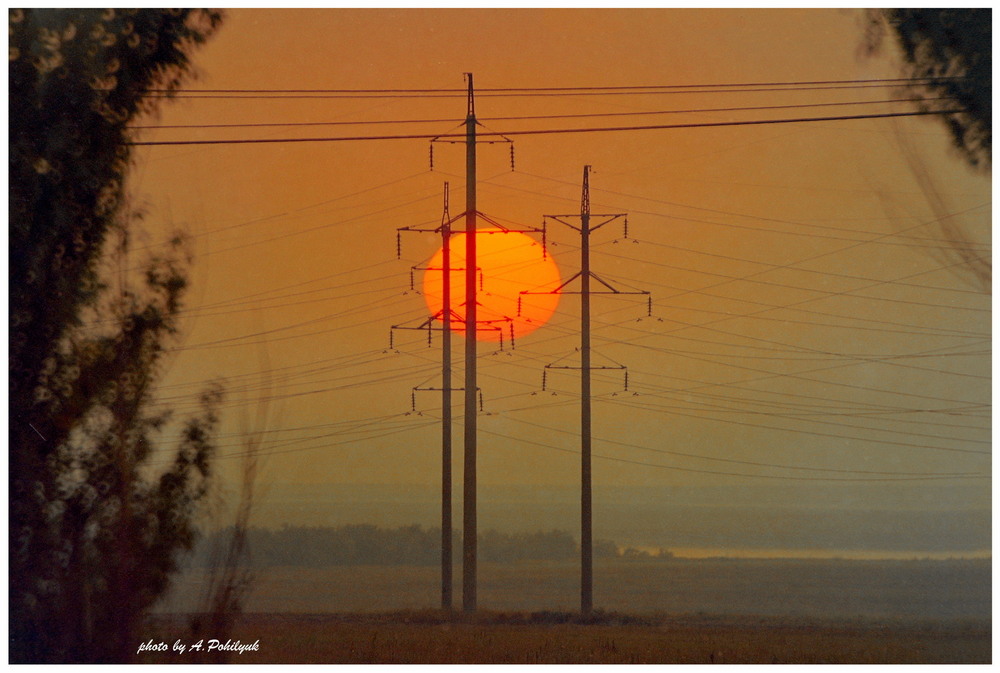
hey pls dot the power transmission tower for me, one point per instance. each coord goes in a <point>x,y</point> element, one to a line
<point>445,315</point>
<point>446,420</point>
<point>585,275</point>
<point>469,521</point>
<point>472,394</point>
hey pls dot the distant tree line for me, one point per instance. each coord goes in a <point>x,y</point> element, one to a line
<point>364,544</point>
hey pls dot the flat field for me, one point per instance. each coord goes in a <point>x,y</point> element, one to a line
<point>677,611</point>
<point>521,638</point>
<point>821,588</point>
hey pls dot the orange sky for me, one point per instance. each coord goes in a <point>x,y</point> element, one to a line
<point>803,317</point>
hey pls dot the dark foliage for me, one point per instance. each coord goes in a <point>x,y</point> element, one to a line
<point>94,532</point>
<point>363,544</point>
<point>948,43</point>
<point>551,545</point>
<point>346,545</point>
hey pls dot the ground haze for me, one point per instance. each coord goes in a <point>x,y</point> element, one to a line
<point>650,611</point>
<point>521,638</point>
<point>809,588</point>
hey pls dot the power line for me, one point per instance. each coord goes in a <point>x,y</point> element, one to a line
<point>795,400</point>
<point>425,136</point>
<point>319,227</point>
<point>588,115</point>
<point>279,450</point>
<point>754,87</point>
<point>813,433</point>
<point>914,330</point>
<point>943,241</point>
<point>728,474</point>
<point>464,92</point>
<point>221,343</point>
<point>750,462</point>
<point>795,376</point>
<point>718,407</point>
<point>830,407</point>
<point>839,293</point>
<point>798,376</point>
<point>833,274</point>
<point>670,394</point>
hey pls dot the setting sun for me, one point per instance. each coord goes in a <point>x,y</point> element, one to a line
<point>509,264</point>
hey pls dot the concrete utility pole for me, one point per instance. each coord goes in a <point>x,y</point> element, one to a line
<point>446,526</point>
<point>470,535</point>
<point>473,397</point>
<point>446,388</point>
<point>585,367</point>
<point>586,494</point>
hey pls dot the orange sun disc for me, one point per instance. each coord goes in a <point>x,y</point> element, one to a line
<point>508,263</point>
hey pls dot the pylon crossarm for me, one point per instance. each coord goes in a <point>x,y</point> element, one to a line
<point>447,134</point>
<point>417,230</point>
<point>613,288</point>
<point>591,367</point>
<point>553,291</point>
<point>485,326</point>
<point>448,222</point>
<point>506,230</point>
<point>558,219</point>
<point>577,215</point>
<point>441,268</point>
<point>425,325</point>
<point>503,228</point>
<point>414,230</point>
<point>612,292</point>
<point>609,220</point>
<point>482,325</point>
<point>558,289</point>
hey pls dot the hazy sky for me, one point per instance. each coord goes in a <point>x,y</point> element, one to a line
<point>812,333</point>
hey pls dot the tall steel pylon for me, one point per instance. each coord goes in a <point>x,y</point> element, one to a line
<point>470,389</point>
<point>446,315</point>
<point>472,395</point>
<point>446,525</point>
<point>469,521</point>
<point>585,275</point>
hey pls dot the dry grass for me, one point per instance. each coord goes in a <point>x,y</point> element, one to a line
<point>827,588</point>
<point>764,612</point>
<point>519,638</point>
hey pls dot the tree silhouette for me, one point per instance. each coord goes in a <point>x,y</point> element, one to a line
<point>947,43</point>
<point>94,527</point>
<point>366,544</point>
